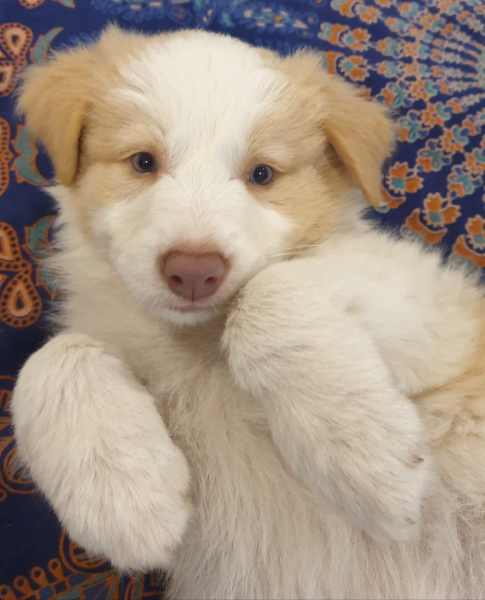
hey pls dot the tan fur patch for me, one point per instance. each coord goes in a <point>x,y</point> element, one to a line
<point>62,84</point>
<point>317,119</point>
<point>358,129</point>
<point>320,136</point>
<point>74,82</point>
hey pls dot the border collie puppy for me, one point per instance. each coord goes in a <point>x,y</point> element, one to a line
<point>250,387</point>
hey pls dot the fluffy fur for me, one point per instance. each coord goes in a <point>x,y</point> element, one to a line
<point>313,430</point>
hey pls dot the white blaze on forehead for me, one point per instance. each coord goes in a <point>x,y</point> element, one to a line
<point>201,96</point>
<point>201,88</point>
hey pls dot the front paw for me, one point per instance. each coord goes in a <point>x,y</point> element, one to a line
<point>366,462</point>
<point>134,512</point>
<point>383,484</point>
<point>271,323</point>
<point>333,410</point>
<point>97,448</point>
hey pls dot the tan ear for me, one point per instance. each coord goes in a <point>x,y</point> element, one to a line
<point>357,128</point>
<point>361,134</point>
<point>54,98</point>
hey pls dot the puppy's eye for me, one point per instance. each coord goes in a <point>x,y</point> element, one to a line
<point>261,175</point>
<point>143,162</point>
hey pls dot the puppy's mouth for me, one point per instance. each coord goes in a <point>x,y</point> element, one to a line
<point>192,313</point>
<point>189,308</point>
<point>199,309</point>
<point>182,305</point>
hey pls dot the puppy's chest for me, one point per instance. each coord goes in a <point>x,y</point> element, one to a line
<point>224,433</point>
<point>206,413</point>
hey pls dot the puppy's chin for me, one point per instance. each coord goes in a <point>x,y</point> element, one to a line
<point>189,318</point>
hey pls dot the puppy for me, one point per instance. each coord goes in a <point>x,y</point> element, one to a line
<point>251,387</point>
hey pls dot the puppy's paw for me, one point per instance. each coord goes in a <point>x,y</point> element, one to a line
<point>333,410</point>
<point>378,472</point>
<point>272,320</point>
<point>134,514</point>
<point>389,504</point>
<point>95,444</point>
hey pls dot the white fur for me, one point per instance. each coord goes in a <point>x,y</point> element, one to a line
<point>108,466</point>
<point>313,475</point>
<point>205,130</point>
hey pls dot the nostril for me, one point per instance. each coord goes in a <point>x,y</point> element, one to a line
<point>211,280</point>
<point>176,280</point>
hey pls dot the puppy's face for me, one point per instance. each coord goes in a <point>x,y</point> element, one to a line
<point>194,160</point>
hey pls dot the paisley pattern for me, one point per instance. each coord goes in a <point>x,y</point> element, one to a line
<point>423,59</point>
<point>5,154</point>
<point>20,303</point>
<point>15,40</point>
<point>12,479</point>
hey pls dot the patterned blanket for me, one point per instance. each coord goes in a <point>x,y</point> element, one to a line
<point>424,59</point>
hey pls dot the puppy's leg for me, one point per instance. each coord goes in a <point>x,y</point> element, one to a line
<point>334,413</point>
<point>98,449</point>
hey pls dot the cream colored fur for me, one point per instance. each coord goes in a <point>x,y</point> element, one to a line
<point>318,431</point>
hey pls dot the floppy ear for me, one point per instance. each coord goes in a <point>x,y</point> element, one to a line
<point>361,134</point>
<point>54,98</point>
<point>357,128</point>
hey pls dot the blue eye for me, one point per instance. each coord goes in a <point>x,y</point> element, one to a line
<point>143,162</point>
<point>261,175</point>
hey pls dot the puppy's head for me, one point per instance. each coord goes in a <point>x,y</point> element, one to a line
<point>192,160</point>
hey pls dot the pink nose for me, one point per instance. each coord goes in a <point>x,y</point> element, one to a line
<point>193,276</point>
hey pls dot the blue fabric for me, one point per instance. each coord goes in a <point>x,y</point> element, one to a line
<point>425,60</point>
